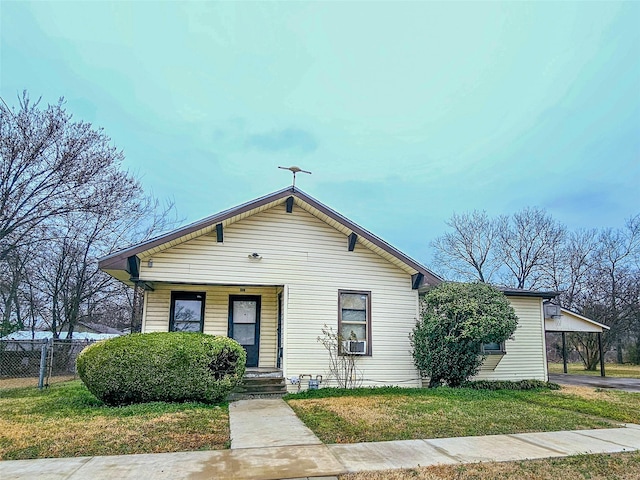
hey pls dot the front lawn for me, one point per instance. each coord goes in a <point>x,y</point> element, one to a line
<point>610,369</point>
<point>66,420</point>
<point>371,415</point>
<point>618,466</point>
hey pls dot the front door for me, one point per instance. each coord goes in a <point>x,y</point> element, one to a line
<point>244,324</point>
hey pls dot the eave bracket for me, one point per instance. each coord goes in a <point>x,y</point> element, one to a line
<point>289,204</point>
<point>353,238</point>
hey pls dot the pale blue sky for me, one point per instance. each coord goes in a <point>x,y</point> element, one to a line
<point>404,112</point>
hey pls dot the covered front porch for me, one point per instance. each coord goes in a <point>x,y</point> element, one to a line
<point>250,314</point>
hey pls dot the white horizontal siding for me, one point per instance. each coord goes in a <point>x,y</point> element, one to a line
<point>216,313</point>
<point>525,357</point>
<point>311,258</point>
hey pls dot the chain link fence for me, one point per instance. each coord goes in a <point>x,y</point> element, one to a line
<point>38,363</point>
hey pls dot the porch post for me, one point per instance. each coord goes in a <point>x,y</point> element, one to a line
<point>601,355</point>
<point>564,351</point>
<point>136,311</point>
<point>279,333</point>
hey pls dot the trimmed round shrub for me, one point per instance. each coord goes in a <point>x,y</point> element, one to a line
<point>163,366</point>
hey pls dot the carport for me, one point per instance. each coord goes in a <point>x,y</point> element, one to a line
<point>561,320</point>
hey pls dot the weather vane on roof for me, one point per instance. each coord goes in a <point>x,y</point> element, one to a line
<point>295,170</point>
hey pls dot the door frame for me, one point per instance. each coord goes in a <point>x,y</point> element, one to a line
<point>279,351</point>
<point>258,300</point>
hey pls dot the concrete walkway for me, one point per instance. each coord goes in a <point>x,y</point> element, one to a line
<point>288,450</point>
<point>267,423</point>
<point>616,383</point>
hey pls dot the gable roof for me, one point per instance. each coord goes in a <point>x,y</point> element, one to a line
<point>119,260</point>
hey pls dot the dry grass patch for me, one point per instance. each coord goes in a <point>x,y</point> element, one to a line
<point>611,370</point>
<point>588,393</point>
<point>25,382</point>
<point>401,414</point>
<point>620,466</point>
<point>105,436</point>
<point>67,421</point>
<point>355,415</point>
<point>370,410</point>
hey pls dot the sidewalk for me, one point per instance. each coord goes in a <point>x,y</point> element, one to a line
<point>492,448</point>
<point>268,442</point>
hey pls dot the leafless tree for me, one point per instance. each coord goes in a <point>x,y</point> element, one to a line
<point>68,277</point>
<point>528,242</point>
<point>570,268</point>
<point>65,201</point>
<point>597,273</point>
<point>11,277</point>
<point>615,277</point>
<point>607,291</point>
<point>50,166</point>
<point>468,251</point>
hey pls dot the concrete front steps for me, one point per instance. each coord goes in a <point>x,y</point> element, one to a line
<point>260,383</point>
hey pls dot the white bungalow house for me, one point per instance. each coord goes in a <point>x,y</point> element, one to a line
<point>272,272</point>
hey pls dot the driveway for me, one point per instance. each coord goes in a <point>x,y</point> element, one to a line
<point>626,384</point>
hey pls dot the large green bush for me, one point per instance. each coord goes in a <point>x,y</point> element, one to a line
<point>457,319</point>
<point>167,366</point>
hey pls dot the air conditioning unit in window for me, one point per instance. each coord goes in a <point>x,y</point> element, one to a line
<point>352,347</point>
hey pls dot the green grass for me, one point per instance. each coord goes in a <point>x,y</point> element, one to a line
<point>610,369</point>
<point>370,415</point>
<point>618,466</point>
<point>67,420</point>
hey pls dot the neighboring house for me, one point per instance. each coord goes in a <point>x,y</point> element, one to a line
<point>86,331</point>
<point>92,327</point>
<point>46,335</point>
<point>273,272</point>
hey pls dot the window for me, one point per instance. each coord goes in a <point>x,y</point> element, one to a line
<point>354,321</point>
<point>187,312</point>
<point>493,348</point>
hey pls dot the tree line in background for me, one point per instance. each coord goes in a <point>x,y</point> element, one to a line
<point>597,272</point>
<point>65,201</point>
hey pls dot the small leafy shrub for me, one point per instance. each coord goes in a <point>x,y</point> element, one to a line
<point>164,366</point>
<point>457,319</point>
<point>509,385</point>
